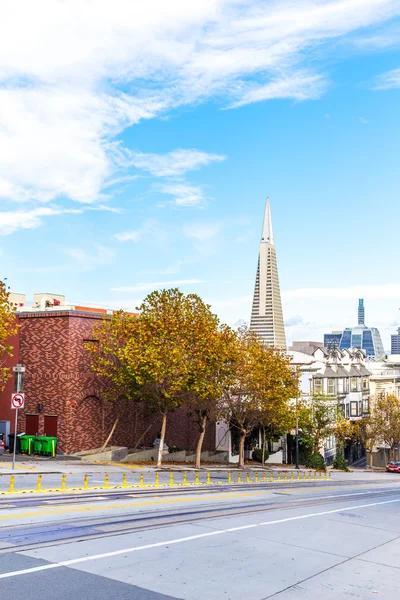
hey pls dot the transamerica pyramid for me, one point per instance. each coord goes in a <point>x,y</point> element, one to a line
<point>266,313</point>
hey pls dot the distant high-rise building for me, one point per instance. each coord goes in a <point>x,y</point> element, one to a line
<point>332,340</point>
<point>266,314</point>
<point>361,312</point>
<point>361,336</point>
<point>395,346</point>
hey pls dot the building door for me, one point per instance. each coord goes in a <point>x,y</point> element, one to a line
<point>50,425</point>
<point>32,424</point>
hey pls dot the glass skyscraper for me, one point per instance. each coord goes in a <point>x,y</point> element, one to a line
<point>395,348</point>
<point>361,336</point>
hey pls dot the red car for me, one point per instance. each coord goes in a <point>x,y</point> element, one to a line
<point>393,467</point>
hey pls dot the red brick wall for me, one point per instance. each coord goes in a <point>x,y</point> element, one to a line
<point>58,376</point>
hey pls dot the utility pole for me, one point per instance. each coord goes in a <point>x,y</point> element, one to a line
<point>19,371</point>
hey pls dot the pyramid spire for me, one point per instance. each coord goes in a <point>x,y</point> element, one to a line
<point>267,233</point>
<point>266,314</point>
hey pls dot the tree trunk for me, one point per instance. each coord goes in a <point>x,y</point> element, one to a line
<point>263,449</point>
<point>241,449</point>
<point>203,425</point>
<point>162,437</point>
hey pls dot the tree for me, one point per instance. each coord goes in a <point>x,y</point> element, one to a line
<point>260,386</point>
<point>318,419</point>
<point>386,417</point>
<point>8,328</point>
<point>212,360</point>
<point>166,348</point>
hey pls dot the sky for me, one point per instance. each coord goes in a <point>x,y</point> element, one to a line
<point>139,140</point>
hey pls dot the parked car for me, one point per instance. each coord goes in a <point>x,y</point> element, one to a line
<point>393,466</point>
<point>2,443</point>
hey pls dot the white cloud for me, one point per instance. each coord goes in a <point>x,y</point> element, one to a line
<point>149,228</point>
<point>91,260</point>
<point>61,104</point>
<point>153,285</point>
<point>297,86</point>
<point>173,163</point>
<point>388,81</point>
<point>363,120</point>
<point>183,194</point>
<point>12,221</point>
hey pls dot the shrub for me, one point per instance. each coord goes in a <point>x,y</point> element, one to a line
<point>257,454</point>
<point>339,462</point>
<point>316,461</point>
<point>173,449</point>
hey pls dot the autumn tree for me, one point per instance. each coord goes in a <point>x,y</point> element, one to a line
<point>260,386</point>
<point>172,352</point>
<point>386,419</point>
<point>8,328</point>
<point>211,361</point>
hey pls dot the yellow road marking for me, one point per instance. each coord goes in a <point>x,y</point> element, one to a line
<point>82,509</point>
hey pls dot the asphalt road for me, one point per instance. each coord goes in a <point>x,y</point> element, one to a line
<point>320,540</point>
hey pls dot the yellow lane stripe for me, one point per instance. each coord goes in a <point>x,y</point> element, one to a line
<point>91,508</point>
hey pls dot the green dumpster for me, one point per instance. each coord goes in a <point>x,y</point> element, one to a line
<point>52,445</point>
<point>37,445</point>
<point>26,443</point>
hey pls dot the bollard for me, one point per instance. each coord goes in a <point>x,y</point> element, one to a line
<point>184,478</point>
<point>208,478</point>
<point>106,481</point>
<point>271,476</point>
<point>63,482</point>
<point>229,477</point>
<point>171,479</point>
<point>11,490</point>
<point>292,476</point>
<point>157,479</point>
<point>279,475</point>
<point>315,474</point>
<point>330,475</point>
<point>85,482</point>
<point>324,474</point>
<point>39,483</point>
<point>264,477</point>
<point>256,477</point>
<point>124,480</point>
<point>320,474</point>
<point>309,475</point>
<point>239,478</point>
<point>141,479</point>
<point>298,475</point>
<point>285,476</point>
<point>197,477</point>
<point>248,480</point>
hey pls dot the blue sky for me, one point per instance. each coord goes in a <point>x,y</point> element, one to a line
<point>138,144</point>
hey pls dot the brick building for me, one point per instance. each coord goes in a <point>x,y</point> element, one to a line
<point>64,398</point>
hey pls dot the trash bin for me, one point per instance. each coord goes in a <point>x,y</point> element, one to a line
<point>52,445</point>
<point>49,445</point>
<point>37,445</point>
<point>26,444</point>
<point>11,443</point>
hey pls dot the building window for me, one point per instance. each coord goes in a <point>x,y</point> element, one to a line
<point>347,411</point>
<point>318,387</point>
<point>353,409</point>
<point>343,409</point>
<point>365,407</point>
<point>353,385</point>
<point>365,383</point>
<point>331,386</point>
<point>340,386</point>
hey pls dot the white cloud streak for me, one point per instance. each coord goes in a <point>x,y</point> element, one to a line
<point>149,229</point>
<point>173,163</point>
<point>12,221</point>
<point>64,100</point>
<point>388,81</point>
<point>98,257</point>
<point>183,194</point>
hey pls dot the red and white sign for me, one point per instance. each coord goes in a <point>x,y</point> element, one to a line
<point>292,432</point>
<point>17,400</point>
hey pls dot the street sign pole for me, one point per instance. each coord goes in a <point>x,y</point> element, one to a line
<point>15,438</point>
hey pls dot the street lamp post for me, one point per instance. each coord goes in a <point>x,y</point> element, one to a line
<point>297,431</point>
